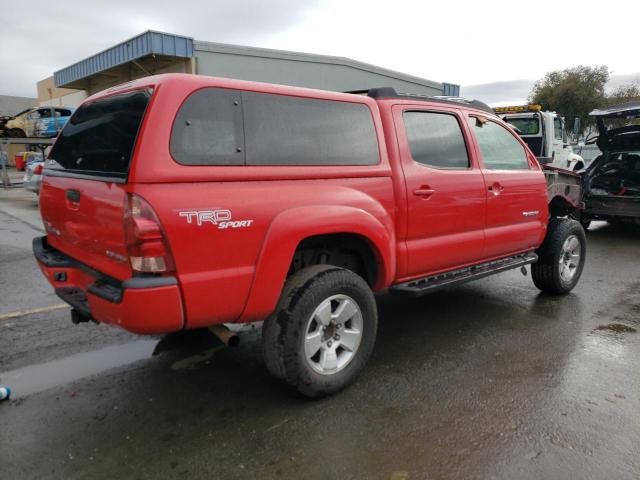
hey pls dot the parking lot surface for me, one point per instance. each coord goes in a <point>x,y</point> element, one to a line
<point>486,380</point>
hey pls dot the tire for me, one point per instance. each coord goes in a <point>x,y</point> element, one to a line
<point>17,133</point>
<point>315,358</point>
<point>558,270</point>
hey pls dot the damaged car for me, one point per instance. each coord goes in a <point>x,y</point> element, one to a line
<point>42,122</point>
<point>611,184</point>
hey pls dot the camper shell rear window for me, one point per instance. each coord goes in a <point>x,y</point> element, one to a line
<point>99,138</point>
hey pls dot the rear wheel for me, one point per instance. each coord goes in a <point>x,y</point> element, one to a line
<point>17,133</point>
<point>560,257</point>
<point>323,331</point>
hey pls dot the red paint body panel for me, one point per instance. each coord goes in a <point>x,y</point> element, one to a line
<point>237,274</point>
<point>144,311</point>
<point>446,229</point>
<point>86,230</point>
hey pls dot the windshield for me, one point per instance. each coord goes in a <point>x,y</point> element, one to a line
<point>526,125</point>
<point>100,136</point>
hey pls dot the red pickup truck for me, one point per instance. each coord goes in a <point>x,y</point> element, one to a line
<point>180,202</point>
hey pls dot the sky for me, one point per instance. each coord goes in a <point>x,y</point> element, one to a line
<point>495,49</point>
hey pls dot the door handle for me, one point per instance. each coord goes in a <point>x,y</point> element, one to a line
<point>73,195</point>
<point>424,191</point>
<point>495,188</point>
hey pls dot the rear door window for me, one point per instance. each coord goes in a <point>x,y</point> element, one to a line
<point>436,140</point>
<point>99,138</point>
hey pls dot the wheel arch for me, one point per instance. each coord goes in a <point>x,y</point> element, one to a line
<point>560,206</point>
<point>292,228</point>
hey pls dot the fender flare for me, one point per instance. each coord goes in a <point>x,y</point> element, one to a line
<point>292,226</point>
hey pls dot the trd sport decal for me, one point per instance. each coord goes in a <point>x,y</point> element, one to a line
<point>220,217</point>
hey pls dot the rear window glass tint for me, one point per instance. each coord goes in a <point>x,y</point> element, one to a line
<point>100,136</point>
<point>284,130</point>
<point>435,139</point>
<point>208,129</point>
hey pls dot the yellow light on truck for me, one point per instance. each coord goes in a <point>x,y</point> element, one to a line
<point>519,108</point>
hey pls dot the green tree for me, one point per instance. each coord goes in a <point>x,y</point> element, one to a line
<point>573,92</point>
<point>625,93</point>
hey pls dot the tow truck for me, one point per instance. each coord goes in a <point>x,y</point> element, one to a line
<point>545,133</point>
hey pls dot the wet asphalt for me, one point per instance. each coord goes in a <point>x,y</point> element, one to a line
<point>486,380</point>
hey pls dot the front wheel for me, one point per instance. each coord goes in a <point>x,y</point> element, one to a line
<point>561,257</point>
<point>323,331</point>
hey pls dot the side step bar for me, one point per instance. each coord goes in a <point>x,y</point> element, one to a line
<point>426,285</point>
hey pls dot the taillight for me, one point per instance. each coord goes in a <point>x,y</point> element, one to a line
<point>37,170</point>
<point>146,243</point>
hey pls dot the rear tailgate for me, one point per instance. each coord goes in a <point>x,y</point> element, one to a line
<point>83,191</point>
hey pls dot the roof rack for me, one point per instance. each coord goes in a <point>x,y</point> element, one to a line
<point>390,92</point>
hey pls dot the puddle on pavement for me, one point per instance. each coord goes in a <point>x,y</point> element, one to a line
<point>38,378</point>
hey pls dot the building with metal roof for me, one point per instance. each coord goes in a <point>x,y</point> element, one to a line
<point>154,52</point>
<point>10,105</point>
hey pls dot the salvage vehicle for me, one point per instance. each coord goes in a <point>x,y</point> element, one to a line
<point>611,184</point>
<point>545,133</point>
<point>3,121</point>
<point>37,122</point>
<point>182,202</point>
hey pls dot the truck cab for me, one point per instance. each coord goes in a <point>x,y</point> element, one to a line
<point>545,133</point>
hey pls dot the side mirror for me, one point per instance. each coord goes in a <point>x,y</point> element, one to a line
<point>576,126</point>
<point>544,160</point>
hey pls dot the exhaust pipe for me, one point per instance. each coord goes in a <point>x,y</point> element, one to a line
<point>78,317</point>
<point>225,335</point>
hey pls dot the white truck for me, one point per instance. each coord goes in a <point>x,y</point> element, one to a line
<point>545,133</point>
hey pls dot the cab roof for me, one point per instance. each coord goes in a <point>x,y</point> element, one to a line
<point>389,92</point>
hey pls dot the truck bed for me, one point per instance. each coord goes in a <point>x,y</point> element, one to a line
<point>563,183</point>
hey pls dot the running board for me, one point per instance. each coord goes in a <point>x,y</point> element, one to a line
<point>430,284</point>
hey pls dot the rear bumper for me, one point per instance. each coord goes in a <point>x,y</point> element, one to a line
<point>145,305</point>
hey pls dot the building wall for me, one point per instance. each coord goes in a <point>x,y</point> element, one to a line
<point>303,70</point>
<point>10,105</point>
<point>50,95</point>
<point>72,100</point>
<point>130,71</point>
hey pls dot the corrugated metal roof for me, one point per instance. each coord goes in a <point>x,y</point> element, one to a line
<point>146,43</point>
